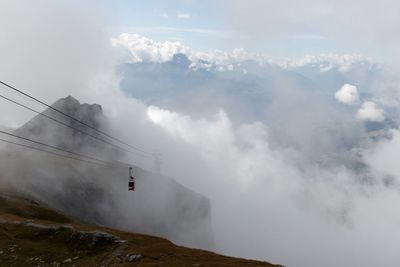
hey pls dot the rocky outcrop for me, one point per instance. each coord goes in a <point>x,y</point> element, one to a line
<point>33,234</point>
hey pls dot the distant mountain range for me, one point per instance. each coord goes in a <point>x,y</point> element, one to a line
<point>294,98</point>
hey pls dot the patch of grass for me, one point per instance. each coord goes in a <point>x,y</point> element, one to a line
<point>48,241</point>
<point>49,245</point>
<point>27,209</point>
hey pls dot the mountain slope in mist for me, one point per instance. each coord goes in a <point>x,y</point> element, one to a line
<point>34,235</point>
<point>98,194</point>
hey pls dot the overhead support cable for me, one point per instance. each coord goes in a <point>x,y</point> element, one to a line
<point>71,117</point>
<point>74,128</point>
<point>50,152</point>
<point>81,155</point>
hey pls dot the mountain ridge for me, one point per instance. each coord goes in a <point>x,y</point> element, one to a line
<point>99,194</point>
<point>35,235</point>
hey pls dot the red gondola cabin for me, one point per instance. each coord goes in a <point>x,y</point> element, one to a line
<point>131,184</point>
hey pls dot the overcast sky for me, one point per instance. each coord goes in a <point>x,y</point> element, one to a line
<point>277,28</point>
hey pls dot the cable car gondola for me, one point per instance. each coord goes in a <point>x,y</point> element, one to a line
<point>131,183</point>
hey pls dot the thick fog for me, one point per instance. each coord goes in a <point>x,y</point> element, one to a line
<point>298,157</point>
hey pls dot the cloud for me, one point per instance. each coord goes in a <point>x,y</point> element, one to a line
<point>281,185</point>
<point>62,55</point>
<point>328,61</point>
<point>247,180</point>
<point>370,111</point>
<point>176,30</point>
<point>273,16</point>
<point>164,14</point>
<point>182,15</point>
<point>143,49</point>
<point>294,171</point>
<point>383,157</point>
<point>348,94</point>
<point>368,27</point>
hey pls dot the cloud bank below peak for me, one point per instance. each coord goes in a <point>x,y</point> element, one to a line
<point>143,49</point>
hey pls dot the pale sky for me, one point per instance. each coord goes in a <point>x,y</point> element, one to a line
<point>283,29</point>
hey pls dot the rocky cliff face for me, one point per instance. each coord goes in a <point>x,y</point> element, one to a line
<point>50,132</point>
<point>98,194</point>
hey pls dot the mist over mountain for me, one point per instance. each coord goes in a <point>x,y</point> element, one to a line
<point>99,194</point>
<point>289,137</point>
<point>276,94</point>
<point>278,120</point>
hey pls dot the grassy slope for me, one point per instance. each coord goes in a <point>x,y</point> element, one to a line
<point>33,235</point>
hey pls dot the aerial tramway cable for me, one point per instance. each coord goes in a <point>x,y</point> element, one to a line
<point>74,128</point>
<point>77,156</point>
<point>71,117</point>
<point>115,163</point>
<point>50,152</point>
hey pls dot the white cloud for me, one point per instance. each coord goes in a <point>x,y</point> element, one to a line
<point>274,17</point>
<point>246,179</point>
<point>370,112</point>
<point>348,94</point>
<point>164,14</point>
<point>182,15</point>
<point>144,49</point>
<point>50,64</point>
<point>147,50</point>
<point>241,172</point>
<point>225,148</point>
<point>342,62</point>
<point>383,158</point>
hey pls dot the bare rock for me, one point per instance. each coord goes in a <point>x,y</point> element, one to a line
<point>135,257</point>
<point>67,260</point>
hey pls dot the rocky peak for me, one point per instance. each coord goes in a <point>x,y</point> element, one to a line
<point>72,138</point>
<point>87,113</point>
